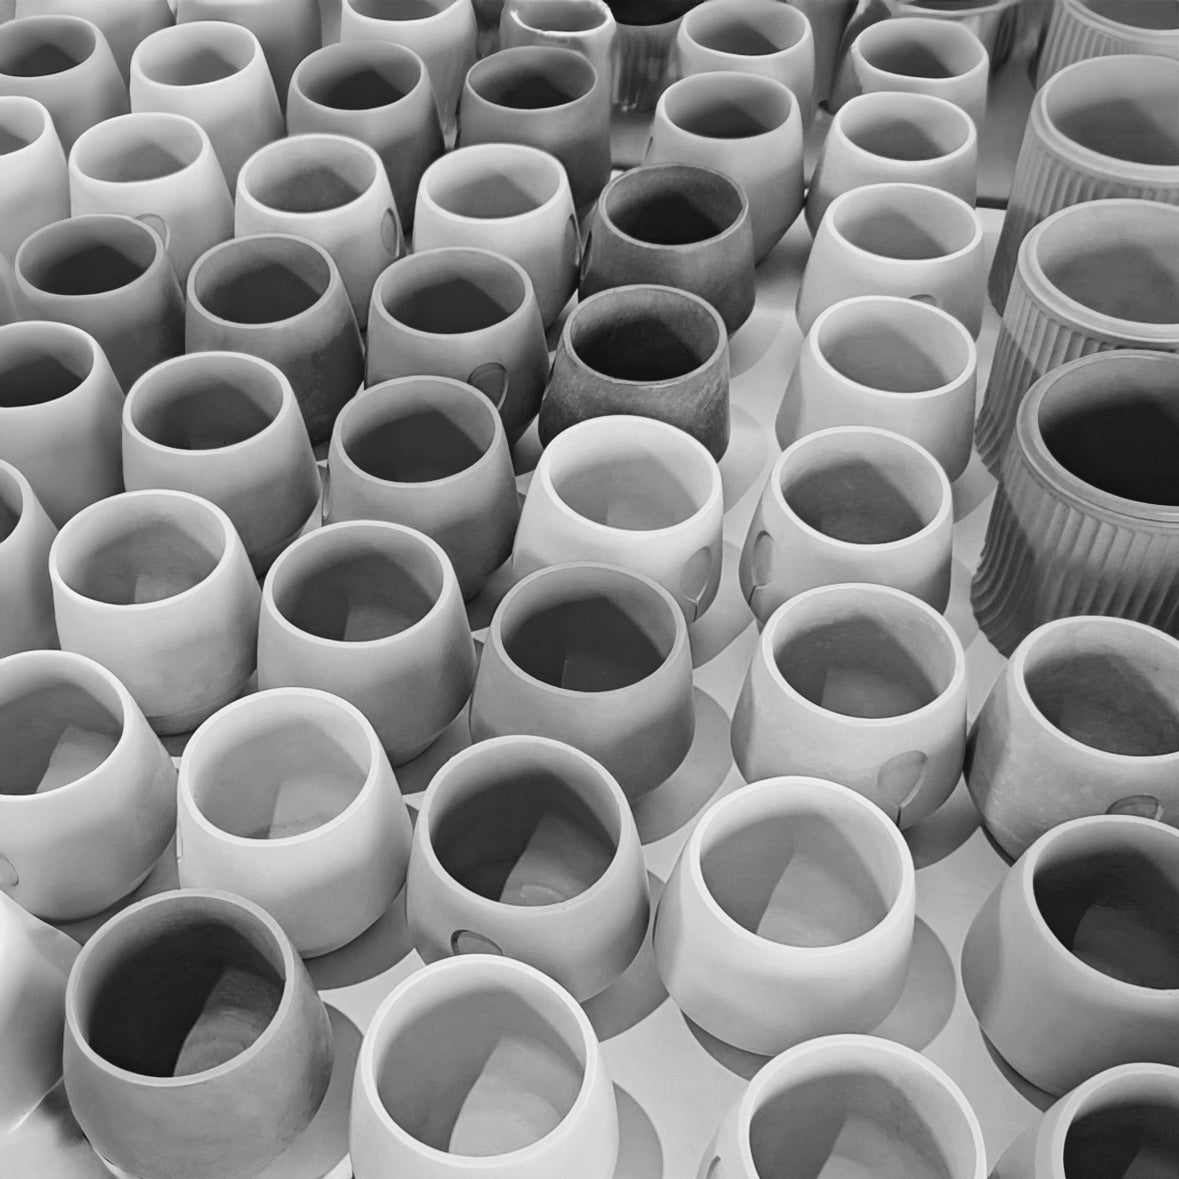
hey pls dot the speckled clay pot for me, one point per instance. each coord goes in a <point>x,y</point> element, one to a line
<point>1079,29</point>
<point>34,187</point>
<point>26,533</point>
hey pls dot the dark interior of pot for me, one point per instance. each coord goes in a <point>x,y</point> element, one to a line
<point>144,149</point>
<point>261,280</point>
<point>486,187</point>
<point>649,12</point>
<point>911,129</point>
<point>402,10</point>
<point>192,57</point>
<point>560,16</point>
<point>532,79</point>
<point>20,124</point>
<point>673,205</point>
<point>906,223</point>
<point>88,256</point>
<point>40,47</point>
<point>358,76</point>
<point>747,32</point>
<point>945,52</point>
<point>40,363</point>
<point>310,178</point>
<point>1138,14</point>
<point>449,294</point>
<point>730,109</point>
<point>1131,1138</point>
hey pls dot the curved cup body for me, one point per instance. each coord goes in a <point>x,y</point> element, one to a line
<point>34,188</point>
<point>26,533</point>
<point>587,26</point>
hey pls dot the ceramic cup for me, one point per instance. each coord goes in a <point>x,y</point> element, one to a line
<point>280,298</point>
<point>26,533</point>
<point>845,1104</point>
<point>850,504</point>
<point>287,798</point>
<point>376,92</point>
<point>594,656</point>
<point>788,915</point>
<point>829,20</point>
<point>881,138</point>
<point>744,125</point>
<point>215,73</point>
<point>149,581</point>
<point>89,799</point>
<point>59,415</point>
<point>648,351</point>
<point>372,612</point>
<point>195,1043</point>
<point>160,168</point>
<point>675,225</point>
<point>862,684</point>
<point>225,426</point>
<point>430,453</point>
<point>998,24</point>
<point>34,187</point>
<point>464,313</point>
<point>888,362</point>
<point>897,239</point>
<point>1080,29</point>
<point>587,26</point>
<point>1072,964</point>
<point>526,847</point>
<point>484,1065</point>
<point>111,276</point>
<point>633,492</point>
<point>509,198</point>
<point>644,50</point>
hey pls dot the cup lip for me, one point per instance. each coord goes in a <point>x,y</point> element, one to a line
<point>914,100</point>
<point>221,28</point>
<point>523,53</point>
<point>927,25</point>
<point>415,22</point>
<point>37,107</point>
<point>161,119</point>
<point>721,79</point>
<point>291,967</point>
<point>516,14</point>
<point>359,46</point>
<point>49,327</point>
<point>49,20</point>
<point>747,9</point>
<point>1079,10</point>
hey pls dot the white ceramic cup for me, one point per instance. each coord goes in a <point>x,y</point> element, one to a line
<point>34,188</point>
<point>26,533</point>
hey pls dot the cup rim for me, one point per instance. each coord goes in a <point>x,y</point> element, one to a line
<point>49,327</point>
<point>24,101</point>
<point>914,100</point>
<point>920,26</point>
<point>163,119</point>
<point>720,79</point>
<point>371,47</point>
<point>1079,10</point>
<point>749,10</point>
<point>516,14</point>
<point>521,53</point>
<point>219,28</point>
<point>49,20</point>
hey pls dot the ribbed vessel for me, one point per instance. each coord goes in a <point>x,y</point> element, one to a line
<point>1079,29</point>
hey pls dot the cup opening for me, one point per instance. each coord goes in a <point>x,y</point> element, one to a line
<point>673,205</point>
<point>533,78</point>
<point>295,176</point>
<point>403,10</point>
<point>1138,14</point>
<point>259,280</point>
<point>562,16</point>
<point>38,47</point>
<point>644,12</point>
<point>359,76</point>
<point>1125,1124</point>
<point>728,105</point>
<point>912,127</point>
<point>921,48</point>
<point>22,122</point>
<point>88,255</point>
<point>474,183</point>
<point>746,31</point>
<point>195,54</point>
<point>41,362</point>
<point>906,223</point>
<point>452,293</point>
<point>139,147</point>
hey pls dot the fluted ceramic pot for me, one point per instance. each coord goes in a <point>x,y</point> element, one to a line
<point>34,187</point>
<point>89,800</point>
<point>586,26</point>
<point>26,533</point>
<point>1080,29</point>
<point>644,50</point>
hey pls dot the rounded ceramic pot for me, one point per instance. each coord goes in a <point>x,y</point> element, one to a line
<point>744,125</point>
<point>26,533</point>
<point>647,351</point>
<point>1079,29</point>
<point>376,92</point>
<point>280,298</point>
<point>888,362</point>
<point>840,1100</point>
<point>287,798</point>
<point>675,225</point>
<point>89,800</point>
<point>998,24</point>
<point>895,137</point>
<point>789,915</point>
<point>484,1065</point>
<point>215,73</point>
<point>34,188</point>
<point>597,657</point>
<point>526,847</point>
<point>587,26</point>
<point>644,50</point>
<point>850,504</point>
<point>1094,132</point>
<point>862,684</point>
<point>1072,964</point>
<point>897,239</point>
<point>633,492</point>
<point>430,453</point>
<point>509,198</point>
<point>225,426</point>
<point>59,415</point>
<point>195,1043</point>
<point>464,313</point>
<point>149,581</point>
<point>65,63</point>
<point>370,611</point>
<point>1086,519</point>
<point>111,276</point>
<point>160,168</point>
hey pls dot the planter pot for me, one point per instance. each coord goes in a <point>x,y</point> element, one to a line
<point>482,1064</point>
<point>1079,29</point>
<point>225,426</point>
<point>89,801</point>
<point>370,611</point>
<point>161,169</point>
<point>850,504</point>
<point>829,20</point>
<point>674,225</point>
<point>26,533</point>
<point>195,1043</point>
<point>59,415</point>
<point>897,239</point>
<point>746,126</point>
<point>888,362</point>
<point>215,73</point>
<point>509,198</point>
<point>287,798</point>
<point>647,351</point>
<point>34,189</point>
<point>841,1100</point>
<point>632,492</point>
<point>895,137</point>
<point>644,50</point>
<point>149,581</point>
<point>594,656</point>
<point>527,847</point>
<point>1094,132</point>
<point>1072,964</point>
<point>789,915</point>
<point>378,93</point>
<point>865,685</point>
<point>465,313</point>
<point>64,63</point>
<point>280,298</point>
<point>587,26</point>
<point>430,453</point>
<point>1085,710</point>
<point>1086,520</point>
<point>109,275</point>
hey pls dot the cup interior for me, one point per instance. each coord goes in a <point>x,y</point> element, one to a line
<point>447,293</point>
<point>672,205</point>
<point>38,47</point>
<point>906,223</point>
<point>562,16</point>
<point>921,48</point>
<point>531,79</point>
<point>474,183</point>
<point>21,124</point>
<point>195,54</point>
<point>309,175</point>
<point>650,12</point>
<point>40,362</point>
<point>135,148</point>
<point>745,30</point>
<point>359,76</point>
<point>403,10</point>
<point>910,128</point>
<point>1138,14</point>
<point>88,255</point>
<point>727,106</point>
<point>261,280</point>
<point>1129,1127</point>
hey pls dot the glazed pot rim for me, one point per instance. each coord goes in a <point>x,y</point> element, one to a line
<point>516,14</point>
<point>920,27</point>
<point>913,100</point>
<point>730,78</point>
<point>58,20</point>
<point>416,21</point>
<point>49,327</point>
<point>139,119</point>
<point>1080,10</point>
<point>498,152</point>
<point>521,53</point>
<point>358,46</point>
<point>750,9</point>
<point>219,28</point>
<point>19,101</point>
